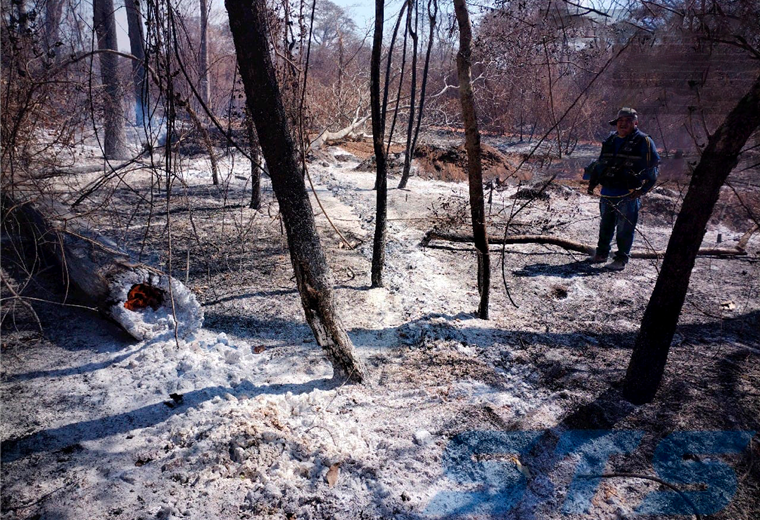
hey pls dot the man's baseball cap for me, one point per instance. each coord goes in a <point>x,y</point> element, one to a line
<point>625,112</point>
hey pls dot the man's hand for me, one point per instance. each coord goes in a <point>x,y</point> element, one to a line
<point>590,189</point>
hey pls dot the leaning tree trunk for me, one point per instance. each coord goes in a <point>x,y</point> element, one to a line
<point>248,23</point>
<point>115,140</point>
<point>121,289</point>
<point>650,352</point>
<point>378,137</point>
<point>137,48</point>
<point>472,144</point>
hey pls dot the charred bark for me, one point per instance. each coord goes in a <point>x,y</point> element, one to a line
<point>115,139</point>
<point>472,144</point>
<point>658,326</point>
<point>378,138</point>
<point>249,31</point>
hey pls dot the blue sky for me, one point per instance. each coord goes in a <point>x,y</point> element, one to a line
<point>362,11</point>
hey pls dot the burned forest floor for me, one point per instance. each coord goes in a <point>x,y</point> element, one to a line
<point>460,418</point>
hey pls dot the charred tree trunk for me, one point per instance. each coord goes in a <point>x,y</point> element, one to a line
<point>378,138</point>
<point>650,352</point>
<point>205,85</point>
<point>115,140</point>
<point>264,100</point>
<point>137,48</point>
<point>472,144</point>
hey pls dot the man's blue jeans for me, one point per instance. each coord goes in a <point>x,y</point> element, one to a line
<point>621,215</point>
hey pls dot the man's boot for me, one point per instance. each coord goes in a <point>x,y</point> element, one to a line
<point>617,265</point>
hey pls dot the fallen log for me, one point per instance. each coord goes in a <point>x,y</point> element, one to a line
<point>145,302</point>
<point>327,137</point>
<point>572,245</point>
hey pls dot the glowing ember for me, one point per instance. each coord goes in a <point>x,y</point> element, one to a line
<point>142,295</point>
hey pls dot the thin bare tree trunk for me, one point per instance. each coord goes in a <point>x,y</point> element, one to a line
<point>378,138</point>
<point>264,100</point>
<point>400,80</point>
<point>413,93</point>
<point>386,87</point>
<point>206,138</point>
<point>115,139</point>
<point>205,85</point>
<point>137,48</point>
<point>432,15</point>
<point>253,147</point>
<point>472,144</point>
<point>658,326</point>
<point>53,13</point>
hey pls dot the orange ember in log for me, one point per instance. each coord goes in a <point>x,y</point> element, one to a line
<point>142,295</point>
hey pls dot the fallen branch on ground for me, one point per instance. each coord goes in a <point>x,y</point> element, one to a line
<point>329,137</point>
<point>572,245</point>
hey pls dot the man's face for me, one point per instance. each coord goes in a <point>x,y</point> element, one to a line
<point>625,126</point>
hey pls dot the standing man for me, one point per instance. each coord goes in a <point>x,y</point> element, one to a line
<point>626,169</point>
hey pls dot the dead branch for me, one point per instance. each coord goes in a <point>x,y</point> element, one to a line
<point>572,245</point>
<point>328,137</point>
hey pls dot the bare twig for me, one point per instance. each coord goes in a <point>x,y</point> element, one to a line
<point>653,479</point>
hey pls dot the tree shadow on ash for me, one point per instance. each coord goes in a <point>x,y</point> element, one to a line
<point>438,326</point>
<point>697,394</point>
<point>243,296</point>
<point>569,270</point>
<point>284,331</point>
<point>64,437</point>
<point>70,371</point>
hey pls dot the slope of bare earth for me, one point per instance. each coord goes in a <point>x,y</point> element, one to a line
<point>242,420</point>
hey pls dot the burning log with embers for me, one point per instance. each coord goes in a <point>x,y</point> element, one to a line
<point>144,301</point>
